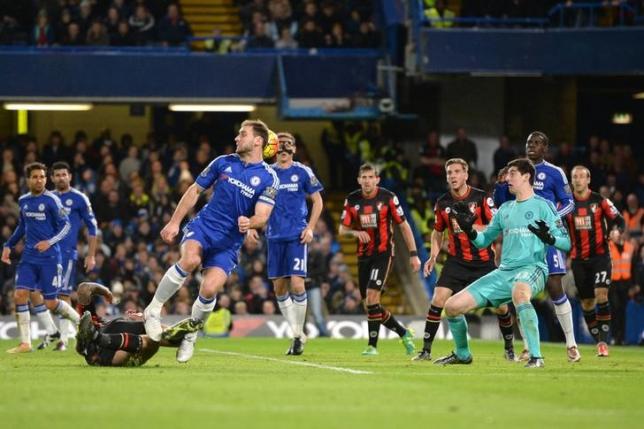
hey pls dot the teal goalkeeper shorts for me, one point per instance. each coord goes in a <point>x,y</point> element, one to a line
<point>495,288</point>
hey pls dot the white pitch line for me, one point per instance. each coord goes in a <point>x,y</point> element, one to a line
<point>290,362</point>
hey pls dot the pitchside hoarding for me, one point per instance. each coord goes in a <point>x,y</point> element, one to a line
<point>340,327</point>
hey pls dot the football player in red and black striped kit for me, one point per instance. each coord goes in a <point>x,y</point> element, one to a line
<point>369,214</point>
<point>588,225</point>
<point>465,262</point>
<point>122,341</point>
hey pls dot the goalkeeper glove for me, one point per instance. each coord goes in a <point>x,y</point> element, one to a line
<point>465,219</point>
<point>543,232</point>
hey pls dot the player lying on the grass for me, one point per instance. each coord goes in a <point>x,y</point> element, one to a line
<point>529,225</point>
<point>122,341</point>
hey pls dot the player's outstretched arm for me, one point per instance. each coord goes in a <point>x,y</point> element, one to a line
<point>542,231</point>
<point>552,234</point>
<point>408,236</point>
<point>87,289</point>
<point>466,220</point>
<point>186,203</point>
<point>550,228</point>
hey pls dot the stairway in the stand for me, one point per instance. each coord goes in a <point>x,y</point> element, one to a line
<point>206,15</point>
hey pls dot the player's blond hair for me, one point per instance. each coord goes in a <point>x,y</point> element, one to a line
<point>459,161</point>
<point>581,167</point>
<point>287,136</point>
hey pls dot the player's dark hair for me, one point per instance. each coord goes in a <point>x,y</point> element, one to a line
<point>367,166</point>
<point>259,129</point>
<point>61,165</point>
<point>524,166</point>
<point>544,138</point>
<point>34,166</point>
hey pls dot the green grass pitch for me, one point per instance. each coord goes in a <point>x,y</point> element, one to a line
<point>249,383</point>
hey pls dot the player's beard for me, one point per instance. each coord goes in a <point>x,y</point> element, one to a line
<point>36,189</point>
<point>244,148</point>
<point>368,189</point>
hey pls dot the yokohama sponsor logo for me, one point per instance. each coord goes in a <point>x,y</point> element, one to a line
<point>36,215</point>
<point>247,191</point>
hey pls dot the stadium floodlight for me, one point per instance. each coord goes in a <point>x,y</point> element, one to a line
<point>622,118</point>
<point>212,107</point>
<point>76,107</point>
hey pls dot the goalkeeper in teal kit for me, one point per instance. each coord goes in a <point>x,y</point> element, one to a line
<point>529,225</point>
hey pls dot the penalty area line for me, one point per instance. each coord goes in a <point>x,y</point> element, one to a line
<point>289,362</point>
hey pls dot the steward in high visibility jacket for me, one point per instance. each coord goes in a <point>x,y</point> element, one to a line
<point>439,15</point>
<point>622,258</point>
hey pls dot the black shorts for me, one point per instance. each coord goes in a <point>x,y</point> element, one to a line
<point>373,272</point>
<point>100,356</point>
<point>457,275</point>
<point>590,274</point>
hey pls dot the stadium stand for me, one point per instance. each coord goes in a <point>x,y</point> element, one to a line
<point>134,185</point>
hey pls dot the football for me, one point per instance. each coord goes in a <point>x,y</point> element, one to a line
<point>270,150</point>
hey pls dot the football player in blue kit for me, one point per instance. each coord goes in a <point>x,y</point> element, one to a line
<point>244,191</point>
<point>79,210</point>
<point>289,234</point>
<point>44,223</point>
<point>550,183</point>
